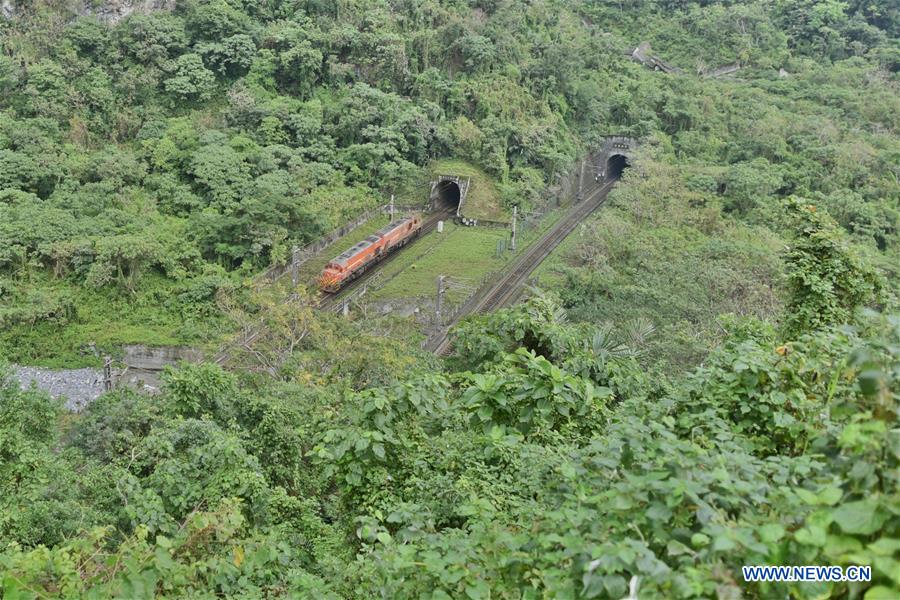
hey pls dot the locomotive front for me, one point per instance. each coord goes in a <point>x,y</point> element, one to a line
<point>331,278</point>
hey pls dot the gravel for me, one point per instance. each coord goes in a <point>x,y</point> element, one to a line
<point>77,386</point>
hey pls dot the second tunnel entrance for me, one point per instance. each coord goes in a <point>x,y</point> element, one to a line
<point>616,164</point>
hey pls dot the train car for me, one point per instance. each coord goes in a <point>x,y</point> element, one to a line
<point>352,263</point>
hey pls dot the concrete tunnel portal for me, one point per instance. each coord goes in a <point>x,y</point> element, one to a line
<point>615,155</point>
<point>447,196</point>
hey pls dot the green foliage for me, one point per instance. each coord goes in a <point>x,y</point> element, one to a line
<point>201,390</point>
<point>191,79</point>
<point>662,250</point>
<point>42,499</point>
<point>828,281</point>
<point>25,416</point>
<point>678,497</point>
<point>115,423</point>
<point>642,430</point>
<point>530,394</point>
<point>213,552</point>
<point>765,455</point>
<point>539,327</point>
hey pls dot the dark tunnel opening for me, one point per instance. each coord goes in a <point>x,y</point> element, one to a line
<point>615,166</point>
<point>448,196</point>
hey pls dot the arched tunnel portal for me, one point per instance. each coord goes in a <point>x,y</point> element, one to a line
<point>615,155</point>
<point>447,196</point>
<point>615,165</point>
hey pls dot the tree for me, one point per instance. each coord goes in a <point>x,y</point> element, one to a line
<point>121,258</point>
<point>222,174</point>
<point>298,62</point>
<point>828,280</point>
<point>9,76</point>
<point>191,79</point>
<point>231,57</point>
<point>154,39</point>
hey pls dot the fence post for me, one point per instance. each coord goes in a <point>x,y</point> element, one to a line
<point>295,266</point>
<point>512,243</point>
<point>440,297</point>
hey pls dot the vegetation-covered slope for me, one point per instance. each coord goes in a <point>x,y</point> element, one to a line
<point>709,381</point>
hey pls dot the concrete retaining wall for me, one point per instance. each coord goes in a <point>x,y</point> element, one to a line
<point>138,356</point>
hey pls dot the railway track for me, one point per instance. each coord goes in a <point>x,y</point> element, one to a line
<point>326,301</point>
<point>509,286</point>
<point>331,301</point>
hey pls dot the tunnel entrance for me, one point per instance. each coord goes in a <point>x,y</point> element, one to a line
<point>616,164</point>
<point>447,196</point>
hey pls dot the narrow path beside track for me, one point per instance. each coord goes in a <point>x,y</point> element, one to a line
<point>509,286</point>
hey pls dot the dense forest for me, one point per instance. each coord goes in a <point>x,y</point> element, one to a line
<point>705,376</point>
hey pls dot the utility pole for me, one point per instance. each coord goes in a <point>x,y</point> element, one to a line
<point>578,196</point>
<point>392,208</point>
<point>107,373</point>
<point>512,242</point>
<point>295,266</point>
<point>440,297</point>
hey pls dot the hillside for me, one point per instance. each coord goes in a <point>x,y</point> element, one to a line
<point>702,376</point>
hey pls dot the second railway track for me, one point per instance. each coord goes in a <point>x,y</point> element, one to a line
<point>507,289</point>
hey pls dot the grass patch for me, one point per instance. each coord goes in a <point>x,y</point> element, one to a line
<point>464,254</point>
<point>549,273</point>
<point>483,198</point>
<point>107,318</point>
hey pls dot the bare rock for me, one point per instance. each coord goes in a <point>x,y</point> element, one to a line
<point>77,386</point>
<point>644,55</point>
<point>113,11</point>
<point>108,11</point>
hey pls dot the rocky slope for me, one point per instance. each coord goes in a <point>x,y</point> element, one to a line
<point>111,11</point>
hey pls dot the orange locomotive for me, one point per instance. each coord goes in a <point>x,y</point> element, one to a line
<point>352,263</point>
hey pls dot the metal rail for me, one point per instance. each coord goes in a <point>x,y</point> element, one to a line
<point>327,301</point>
<point>332,301</point>
<point>509,286</point>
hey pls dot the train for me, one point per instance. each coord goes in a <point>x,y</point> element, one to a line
<point>353,262</point>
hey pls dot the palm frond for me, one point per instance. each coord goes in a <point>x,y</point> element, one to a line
<point>638,332</point>
<point>605,344</point>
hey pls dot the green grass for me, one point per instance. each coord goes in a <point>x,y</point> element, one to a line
<point>483,198</point>
<point>464,254</point>
<point>107,318</point>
